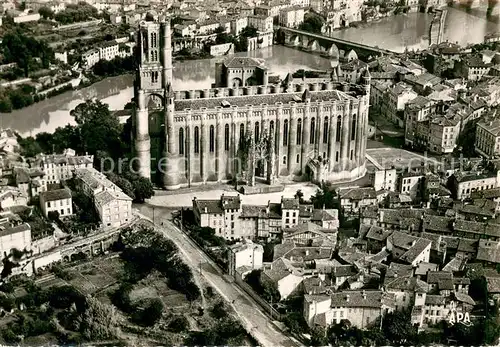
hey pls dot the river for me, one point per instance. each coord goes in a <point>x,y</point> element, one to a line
<point>411,31</point>
<point>394,33</point>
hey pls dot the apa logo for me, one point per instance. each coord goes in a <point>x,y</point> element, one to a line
<point>458,317</point>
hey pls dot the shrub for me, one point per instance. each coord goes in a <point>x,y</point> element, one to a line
<point>178,324</point>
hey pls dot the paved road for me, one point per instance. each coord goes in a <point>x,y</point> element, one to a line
<point>249,312</point>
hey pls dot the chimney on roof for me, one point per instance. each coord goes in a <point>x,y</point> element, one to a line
<point>205,209</point>
<point>307,252</point>
<point>364,295</point>
<point>381,216</point>
<point>347,298</point>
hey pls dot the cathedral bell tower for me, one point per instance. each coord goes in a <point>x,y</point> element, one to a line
<point>153,92</point>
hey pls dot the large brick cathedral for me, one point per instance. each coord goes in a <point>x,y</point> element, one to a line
<point>314,129</point>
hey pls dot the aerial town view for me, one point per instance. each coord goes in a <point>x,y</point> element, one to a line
<point>250,173</point>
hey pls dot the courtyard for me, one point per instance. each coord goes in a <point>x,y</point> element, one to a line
<point>185,198</point>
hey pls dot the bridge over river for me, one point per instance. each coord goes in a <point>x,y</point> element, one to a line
<point>329,46</point>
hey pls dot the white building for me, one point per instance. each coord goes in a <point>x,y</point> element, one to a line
<point>60,167</point>
<point>24,18</point>
<point>14,237</point>
<point>361,308</point>
<point>291,17</point>
<point>261,23</point>
<point>59,201</point>
<point>385,180</point>
<point>245,257</point>
<point>488,138</point>
<point>112,204</point>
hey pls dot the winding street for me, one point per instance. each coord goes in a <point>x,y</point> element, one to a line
<point>258,324</point>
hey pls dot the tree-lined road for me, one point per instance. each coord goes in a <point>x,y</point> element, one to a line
<point>250,313</point>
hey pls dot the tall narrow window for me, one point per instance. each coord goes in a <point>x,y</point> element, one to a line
<point>298,158</point>
<point>153,40</point>
<point>312,136</point>
<point>181,141</point>
<point>299,131</point>
<point>337,156</point>
<point>285,132</point>
<point>353,127</point>
<point>271,128</point>
<point>242,134</point>
<point>325,130</point>
<point>196,140</point>
<point>339,127</point>
<point>212,139</point>
<point>226,137</point>
<point>257,132</point>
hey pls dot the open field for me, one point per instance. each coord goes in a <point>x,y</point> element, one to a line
<point>97,274</point>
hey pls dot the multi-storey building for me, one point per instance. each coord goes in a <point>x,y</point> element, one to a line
<point>199,134</point>
<point>488,137</point>
<point>233,220</point>
<point>111,203</point>
<point>361,308</point>
<point>60,167</point>
<point>58,200</point>
<point>14,237</point>
<point>261,23</point>
<point>245,257</point>
<point>463,184</point>
<point>291,17</point>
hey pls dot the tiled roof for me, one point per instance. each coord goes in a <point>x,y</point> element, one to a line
<point>457,263</point>
<point>434,277</point>
<point>359,193</point>
<point>437,223</point>
<point>486,194</point>
<point>107,196</point>
<point>210,206</point>
<point>270,99</point>
<point>435,300</point>
<point>488,251</point>
<point>306,211</point>
<point>325,215</point>
<point>406,284</point>
<point>237,62</point>
<point>253,211</point>
<point>230,201</point>
<point>378,233</point>
<point>368,299</point>
<point>344,271</point>
<point>493,285</point>
<point>54,195</point>
<point>280,269</point>
<point>399,270</point>
<point>417,249</point>
<point>423,268</point>
<point>4,231</point>
<point>289,204</point>
<point>306,254</point>
<point>464,298</point>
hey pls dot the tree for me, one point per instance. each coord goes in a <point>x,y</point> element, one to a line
<point>99,129</point>
<point>98,321</point>
<point>29,147</point>
<point>397,327</point>
<point>318,337</point>
<point>143,189</point>
<point>123,183</point>
<point>299,195</point>
<point>313,23</point>
<point>46,12</point>
<point>295,322</point>
<point>152,313</point>
<point>248,32</point>
<point>178,324</point>
<point>325,197</point>
<point>53,215</point>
